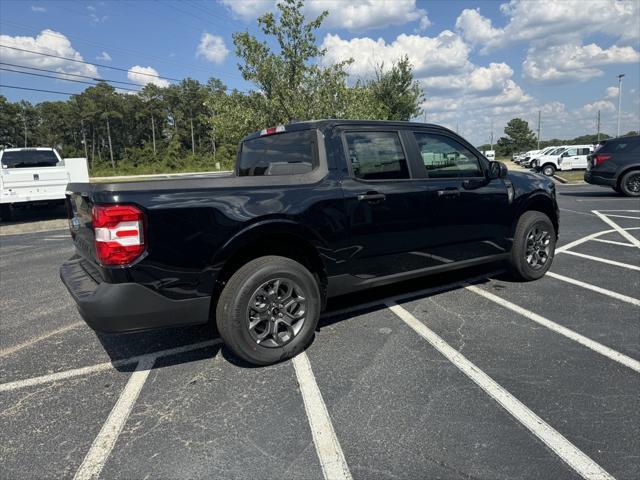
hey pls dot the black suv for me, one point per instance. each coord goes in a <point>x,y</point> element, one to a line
<point>616,163</point>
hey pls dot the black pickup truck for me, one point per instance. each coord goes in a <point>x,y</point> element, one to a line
<point>313,210</point>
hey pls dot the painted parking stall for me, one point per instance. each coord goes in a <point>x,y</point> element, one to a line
<point>468,375</point>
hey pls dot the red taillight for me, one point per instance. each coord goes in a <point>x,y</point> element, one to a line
<point>272,130</point>
<point>600,158</point>
<point>119,232</point>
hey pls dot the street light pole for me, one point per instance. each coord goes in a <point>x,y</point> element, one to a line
<point>619,100</point>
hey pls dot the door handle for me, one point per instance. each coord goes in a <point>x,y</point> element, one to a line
<point>371,197</point>
<point>449,192</point>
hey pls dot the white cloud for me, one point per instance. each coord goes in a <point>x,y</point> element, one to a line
<point>572,61</point>
<point>443,54</point>
<point>38,9</point>
<point>543,19</point>
<point>602,105</point>
<point>248,9</point>
<point>47,41</point>
<point>212,48</point>
<point>104,56</point>
<point>364,15</point>
<point>611,92</point>
<point>353,15</point>
<point>141,76</point>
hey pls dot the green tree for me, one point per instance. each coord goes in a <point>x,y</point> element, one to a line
<point>292,80</point>
<point>519,137</point>
<point>395,91</point>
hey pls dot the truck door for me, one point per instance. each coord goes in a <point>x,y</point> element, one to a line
<point>468,214</point>
<point>384,204</point>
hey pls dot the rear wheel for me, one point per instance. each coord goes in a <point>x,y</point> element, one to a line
<point>534,245</point>
<point>269,309</point>
<point>630,183</point>
<point>549,170</point>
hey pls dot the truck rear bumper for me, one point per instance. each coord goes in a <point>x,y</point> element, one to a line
<point>589,177</point>
<point>128,307</point>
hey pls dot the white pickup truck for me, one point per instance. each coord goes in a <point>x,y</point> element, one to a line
<point>36,175</point>
<point>567,157</point>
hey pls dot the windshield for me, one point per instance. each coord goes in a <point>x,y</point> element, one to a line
<point>282,154</point>
<point>29,158</point>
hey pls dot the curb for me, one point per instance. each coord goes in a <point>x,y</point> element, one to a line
<point>33,227</point>
<point>559,179</point>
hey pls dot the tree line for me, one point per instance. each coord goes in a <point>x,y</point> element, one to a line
<point>196,126</point>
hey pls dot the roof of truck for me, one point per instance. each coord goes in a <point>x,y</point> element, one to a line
<point>332,122</point>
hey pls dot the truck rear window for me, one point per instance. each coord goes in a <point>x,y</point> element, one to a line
<point>29,158</point>
<point>281,154</point>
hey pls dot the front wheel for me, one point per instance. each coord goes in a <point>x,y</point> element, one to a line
<point>549,170</point>
<point>534,244</point>
<point>269,309</point>
<point>630,183</point>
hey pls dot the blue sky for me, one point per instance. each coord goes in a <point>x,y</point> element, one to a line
<point>478,62</point>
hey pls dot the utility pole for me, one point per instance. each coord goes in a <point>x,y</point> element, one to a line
<point>153,134</point>
<point>539,116</point>
<point>24,121</point>
<point>113,164</point>
<point>619,100</point>
<point>193,146</point>
<point>84,140</point>
<point>491,144</point>
<point>598,123</point>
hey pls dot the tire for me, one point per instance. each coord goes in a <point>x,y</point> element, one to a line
<point>529,223</point>
<point>630,184</point>
<point>549,170</point>
<point>253,286</point>
<point>5,212</point>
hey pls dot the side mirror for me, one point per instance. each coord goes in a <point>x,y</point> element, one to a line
<point>497,170</point>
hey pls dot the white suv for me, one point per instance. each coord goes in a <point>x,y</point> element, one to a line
<point>567,157</point>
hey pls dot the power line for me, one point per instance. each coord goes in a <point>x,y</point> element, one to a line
<point>35,89</point>
<point>127,70</point>
<point>95,79</point>
<point>105,46</point>
<point>58,78</point>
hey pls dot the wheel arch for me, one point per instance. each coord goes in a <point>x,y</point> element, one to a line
<point>281,237</point>
<point>540,202</point>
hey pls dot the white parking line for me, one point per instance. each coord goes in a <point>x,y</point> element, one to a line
<point>103,444</point>
<point>20,346</point>
<point>564,331</point>
<point>562,447</point>
<point>602,260</point>
<point>334,466</point>
<point>77,372</point>
<point>622,216</point>
<point>612,242</point>
<point>588,286</point>
<point>633,240</point>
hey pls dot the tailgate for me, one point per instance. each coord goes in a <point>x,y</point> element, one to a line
<point>79,208</point>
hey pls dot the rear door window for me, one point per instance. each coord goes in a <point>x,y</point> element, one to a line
<point>288,153</point>
<point>29,159</point>
<point>376,155</point>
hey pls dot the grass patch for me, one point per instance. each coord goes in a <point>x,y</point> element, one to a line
<point>572,176</point>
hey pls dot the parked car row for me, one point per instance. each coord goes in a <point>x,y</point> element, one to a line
<point>553,158</point>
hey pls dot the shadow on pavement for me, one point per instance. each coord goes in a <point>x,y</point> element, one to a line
<point>123,346</point>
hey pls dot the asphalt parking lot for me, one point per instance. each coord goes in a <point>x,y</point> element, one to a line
<point>468,376</point>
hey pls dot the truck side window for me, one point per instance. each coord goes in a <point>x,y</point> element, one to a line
<point>376,155</point>
<point>443,157</point>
